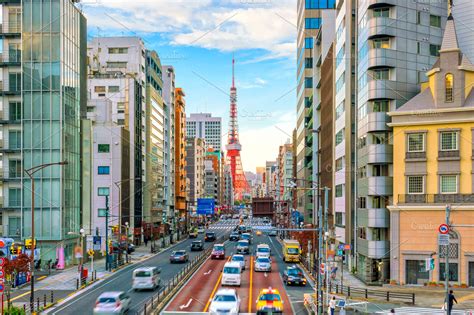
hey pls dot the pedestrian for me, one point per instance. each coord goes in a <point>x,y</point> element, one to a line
<point>146,241</point>
<point>451,300</point>
<point>332,306</point>
<point>392,311</point>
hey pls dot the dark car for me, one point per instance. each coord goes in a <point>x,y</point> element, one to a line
<point>197,246</point>
<point>210,236</point>
<point>234,236</point>
<point>293,275</point>
<point>179,256</point>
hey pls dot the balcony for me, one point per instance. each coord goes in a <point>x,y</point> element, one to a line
<point>10,29</point>
<point>374,122</point>
<point>376,186</point>
<point>374,217</point>
<point>382,27</point>
<point>373,249</point>
<point>448,155</point>
<point>435,198</point>
<point>376,154</point>
<point>9,90</point>
<point>383,89</point>
<point>381,3</point>
<point>10,59</point>
<point>382,57</point>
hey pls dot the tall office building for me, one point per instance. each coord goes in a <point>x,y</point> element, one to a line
<point>153,194</point>
<point>205,126</point>
<point>463,13</point>
<point>397,43</point>
<point>43,100</point>
<point>195,153</point>
<point>180,155</point>
<point>169,155</point>
<point>310,20</point>
<point>117,73</point>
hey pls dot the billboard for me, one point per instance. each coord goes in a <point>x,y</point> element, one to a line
<point>205,206</point>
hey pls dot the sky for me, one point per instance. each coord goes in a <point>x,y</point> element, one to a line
<point>198,38</point>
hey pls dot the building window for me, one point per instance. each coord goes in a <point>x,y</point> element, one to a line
<point>339,110</point>
<point>416,142</point>
<point>116,64</point>
<point>418,17</point>
<point>362,202</point>
<point>15,111</point>
<point>382,12</point>
<point>340,82</point>
<point>380,106</point>
<point>362,172</point>
<point>453,271</point>
<point>434,50</point>
<point>339,164</point>
<point>104,148</point>
<point>381,74</point>
<point>99,89</point>
<point>448,184</point>
<point>101,212</point>
<point>118,50</point>
<point>339,190</point>
<point>340,28</point>
<point>308,101</point>
<point>308,63</point>
<point>308,43</point>
<point>340,136</point>
<point>320,4</point>
<point>114,89</point>
<point>14,139</point>
<point>449,141</point>
<point>14,197</point>
<point>435,20</point>
<point>312,23</point>
<point>340,56</point>
<point>339,219</point>
<point>15,168</point>
<point>103,170</point>
<point>381,43</point>
<point>308,83</point>
<point>449,82</point>
<point>363,51</point>
<point>415,184</point>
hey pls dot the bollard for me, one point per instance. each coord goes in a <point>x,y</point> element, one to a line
<point>413,298</point>
<point>77,284</point>
<point>44,300</point>
<point>366,293</point>
<point>24,308</point>
<point>144,309</point>
<point>388,296</point>
<point>52,297</point>
<point>38,303</point>
<point>152,302</point>
<point>348,291</point>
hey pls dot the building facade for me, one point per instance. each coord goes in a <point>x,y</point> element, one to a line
<point>195,153</point>
<point>204,126</point>
<point>43,102</point>
<point>397,43</point>
<point>180,154</point>
<point>433,169</point>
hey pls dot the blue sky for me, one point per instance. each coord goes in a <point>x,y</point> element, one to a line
<point>199,37</point>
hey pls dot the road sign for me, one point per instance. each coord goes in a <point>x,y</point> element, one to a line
<point>340,247</point>
<point>2,261</point>
<point>205,206</point>
<point>2,243</point>
<point>330,255</point>
<point>90,252</point>
<point>78,252</point>
<point>443,228</point>
<point>347,247</point>
<point>429,264</point>
<point>2,287</point>
<point>340,253</point>
<point>443,239</point>
<point>96,243</point>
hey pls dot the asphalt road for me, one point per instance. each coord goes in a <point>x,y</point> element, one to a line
<point>122,281</point>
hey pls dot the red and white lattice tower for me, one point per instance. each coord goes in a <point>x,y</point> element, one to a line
<point>239,182</point>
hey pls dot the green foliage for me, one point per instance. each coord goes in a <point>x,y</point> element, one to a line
<point>13,310</point>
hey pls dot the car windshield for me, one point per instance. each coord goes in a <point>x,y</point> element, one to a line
<point>142,274</point>
<point>245,236</point>
<point>243,244</point>
<point>263,260</point>
<point>210,234</point>
<point>293,272</point>
<point>105,300</point>
<point>219,248</point>
<point>225,298</point>
<point>270,297</point>
<point>263,250</point>
<point>293,251</point>
<point>197,243</point>
<point>231,270</point>
<point>237,258</point>
<point>179,253</point>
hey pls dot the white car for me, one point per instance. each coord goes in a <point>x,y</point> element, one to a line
<point>240,259</point>
<point>146,278</point>
<point>226,301</point>
<point>112,303</point>
<point>263,264</point>
<point>263,250</point>
<point>201,230</point>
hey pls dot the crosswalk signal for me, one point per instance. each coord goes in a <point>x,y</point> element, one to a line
<point>29,244</point>
<point>15,249</point>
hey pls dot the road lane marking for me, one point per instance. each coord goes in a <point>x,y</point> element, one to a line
<point>206,273</point>
<point>19,296</point>
<point>186,305</point>
<point>213,291</point>
<point>265,274</point>
<point>251,285</point>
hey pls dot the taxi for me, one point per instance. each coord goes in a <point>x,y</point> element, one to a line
<point>258,233</point>
<point>269,302</point>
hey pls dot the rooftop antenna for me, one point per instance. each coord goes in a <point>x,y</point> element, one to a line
<point>233,62</point>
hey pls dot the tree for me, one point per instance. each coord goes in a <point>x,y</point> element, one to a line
<point>17,265</point>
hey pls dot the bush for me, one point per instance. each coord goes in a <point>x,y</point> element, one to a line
<point>13,310</point>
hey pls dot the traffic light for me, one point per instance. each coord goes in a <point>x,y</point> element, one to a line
<point>16,249</point>
<point>29,244</point>
<point>114,229</point>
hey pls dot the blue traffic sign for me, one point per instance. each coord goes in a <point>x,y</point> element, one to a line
<point>205,206</point>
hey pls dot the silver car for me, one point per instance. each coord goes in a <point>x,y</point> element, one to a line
<point>262,264</point>
<point>117,302</point>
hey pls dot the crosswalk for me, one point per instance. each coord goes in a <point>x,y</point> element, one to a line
<point>256,224</point>
<point>422,310</point>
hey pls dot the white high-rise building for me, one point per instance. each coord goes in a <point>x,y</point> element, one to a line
<point>204,126</point>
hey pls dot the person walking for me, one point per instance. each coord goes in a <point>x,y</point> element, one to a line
<point>451,300</point>
<point>332,305</point>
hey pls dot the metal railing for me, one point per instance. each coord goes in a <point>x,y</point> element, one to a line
<point>415,155</point>
<point>168,289</point>
<point>448,154</point>
<point>349,291</point>
<point>435,198</point>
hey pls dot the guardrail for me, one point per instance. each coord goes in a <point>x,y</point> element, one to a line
<point>368,293</point>
<point>157,302</point>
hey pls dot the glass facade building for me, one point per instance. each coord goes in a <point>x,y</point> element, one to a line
<point>46,98</point>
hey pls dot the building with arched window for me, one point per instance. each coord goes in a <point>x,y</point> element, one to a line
<point>433,139</point>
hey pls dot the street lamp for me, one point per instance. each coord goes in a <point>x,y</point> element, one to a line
<point>81,264</point>
<point>30,173</point>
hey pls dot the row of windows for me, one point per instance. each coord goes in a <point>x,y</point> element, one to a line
<point>320,4</point>
<point>118,50</point>
<point>308,43</point>
<point>339,110</point>
<point>448,184</point>
<point>339,136</point>
<point>312,23</point>
<point>340,82</point>
<point>340,55</point>
<point>102,89</point>
<point>448,141</point>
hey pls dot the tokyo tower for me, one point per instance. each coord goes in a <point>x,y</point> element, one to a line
<point>239,182</point>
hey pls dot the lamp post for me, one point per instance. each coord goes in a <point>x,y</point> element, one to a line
<point>105,191</point>
<point>30,172</point>
<point>81,262</point>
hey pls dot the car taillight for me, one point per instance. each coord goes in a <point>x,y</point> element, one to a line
<point>97,303</point>
<point>118,304</point>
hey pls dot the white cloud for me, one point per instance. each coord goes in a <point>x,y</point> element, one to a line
<point>256,83</point>
<point>229,26</point>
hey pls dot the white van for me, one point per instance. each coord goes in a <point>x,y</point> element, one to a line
<point>231,273</point>
<point>263,250</point>
<point>146,278</point>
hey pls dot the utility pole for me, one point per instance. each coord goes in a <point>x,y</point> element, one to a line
<point>326,233</point>
<point>319,304</point>
<point>446,262</point>
<point>106,233</point>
